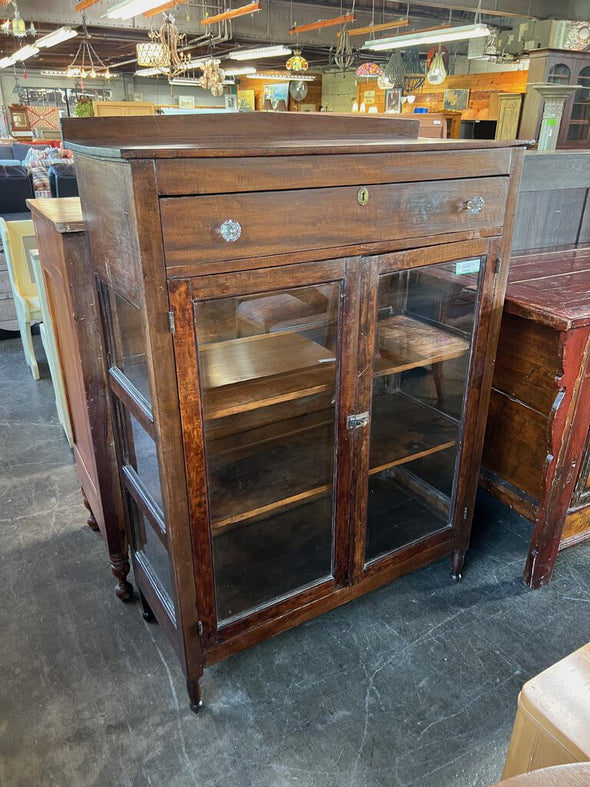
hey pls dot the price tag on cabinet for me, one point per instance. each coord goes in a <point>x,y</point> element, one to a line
<point>467,266</point>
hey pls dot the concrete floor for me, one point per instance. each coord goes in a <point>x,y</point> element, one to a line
<point>414,684</point>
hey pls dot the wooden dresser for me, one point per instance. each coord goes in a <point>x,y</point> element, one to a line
<point>300,315</point>
<point>540,404</point>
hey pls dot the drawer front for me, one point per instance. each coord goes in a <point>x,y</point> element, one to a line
<point>180,177</point>
<point>236,226</point>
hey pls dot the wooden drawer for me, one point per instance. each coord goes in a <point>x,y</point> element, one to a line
<point>324,218</point>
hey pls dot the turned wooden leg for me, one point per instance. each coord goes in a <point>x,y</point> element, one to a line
<point>457,558</point>
<point>120,568</point>
<point>91,521</point>
<point>146,610</point>
<point>437,378</point>
<point>193,688</point>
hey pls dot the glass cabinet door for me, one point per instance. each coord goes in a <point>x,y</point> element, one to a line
<point>269,376</point>
<point>578,129</point>
<point>137,448</point>
<point>424,333</point>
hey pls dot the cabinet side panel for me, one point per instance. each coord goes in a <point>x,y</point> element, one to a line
<point>528,362</point>
<point>72,297</point>
<point>515,447</point>
<point>105,192</point>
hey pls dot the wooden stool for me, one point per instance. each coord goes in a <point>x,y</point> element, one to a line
<point>552,725</point>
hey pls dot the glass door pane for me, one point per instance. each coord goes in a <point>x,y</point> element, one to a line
<point>268,374</point>
<point>425,325</point>
<point>579,124</point>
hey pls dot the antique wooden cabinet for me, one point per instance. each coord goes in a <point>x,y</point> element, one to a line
<point>540,404</point>
<point>300,317</point>
<point>561,67</point>
<point>71,295</point>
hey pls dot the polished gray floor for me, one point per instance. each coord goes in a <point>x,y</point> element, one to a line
<point>414,684</point>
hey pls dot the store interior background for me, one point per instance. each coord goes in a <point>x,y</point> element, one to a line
<point>519,26</point>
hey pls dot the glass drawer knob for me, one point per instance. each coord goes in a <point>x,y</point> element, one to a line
<point>230,230</point>
<point>475,205</point>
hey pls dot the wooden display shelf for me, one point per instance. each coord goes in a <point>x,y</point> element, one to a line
<point>406,343</point>
<point>286,472</point>
<point>262,370</point>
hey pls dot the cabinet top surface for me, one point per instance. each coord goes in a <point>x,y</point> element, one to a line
<point>65,213</point>
<point>253,134</point>
<point>552,288</point>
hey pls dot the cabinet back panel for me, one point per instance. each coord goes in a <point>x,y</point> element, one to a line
<point>299,220</point>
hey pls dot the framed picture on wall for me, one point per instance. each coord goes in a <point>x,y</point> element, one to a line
<point>186,102</point>
<point>456,99</point>
<point>393,101</point>
<point>19,119</point>
<point>246,100</point>
<point>231,102</point>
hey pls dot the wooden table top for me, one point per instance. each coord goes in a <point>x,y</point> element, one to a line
<point>552,288</point>
<point>65,213</point>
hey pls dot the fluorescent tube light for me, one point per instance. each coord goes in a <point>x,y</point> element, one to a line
<point>129,8</point>
<point>239,71</point>
<point>427,37</point>
<point>25,52</point>
<point>263,51</point>
<point>56,37</point>
<point>149,72</point>
<point>282,76</point>
<point>184,81</point>
<point>7,61</point>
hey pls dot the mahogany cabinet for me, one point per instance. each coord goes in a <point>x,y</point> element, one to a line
<point>300,315</point>
<point>540,404</point>
<point>71,296</point>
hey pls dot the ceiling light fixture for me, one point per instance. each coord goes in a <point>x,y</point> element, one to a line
<point>162,50</point>
<point>56,37</point>
<point>130,8</point>
<point>251,8</point>
<point>337,20</point>
<point>86,62</point>
<point>438,35</point>
<point>264,51</point>
<point>296,62</point>
<point>148,72</point>
<point>25,52</point>
<point>282,76</point>
<point>240,71</point>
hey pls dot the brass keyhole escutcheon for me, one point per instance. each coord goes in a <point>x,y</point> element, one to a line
<point>362,196</point>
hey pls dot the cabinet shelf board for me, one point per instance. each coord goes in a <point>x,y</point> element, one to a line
<point>251,484</point>
<point>258,371</point>
<point>256,357</point>
<point>406,343</point>
<point>255,394</point>
<point>291,366</point>
<point>403,430</point>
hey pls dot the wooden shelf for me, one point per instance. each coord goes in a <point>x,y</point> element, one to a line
<point>247,484</point>
<point>262,370</point>
<point>405,343</point>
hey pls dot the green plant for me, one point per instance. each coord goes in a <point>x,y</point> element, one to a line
<point>83,107</point>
